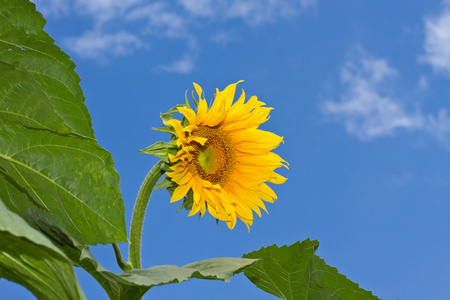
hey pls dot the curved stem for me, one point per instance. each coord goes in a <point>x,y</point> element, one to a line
<point>125,266</point>
<point>137,220</point>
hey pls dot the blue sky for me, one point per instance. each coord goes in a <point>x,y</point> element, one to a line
<point>361,94</point>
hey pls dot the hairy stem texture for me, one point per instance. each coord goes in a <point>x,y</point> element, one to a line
<point>140,207</point>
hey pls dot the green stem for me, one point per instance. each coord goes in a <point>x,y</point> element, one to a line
<point>125,266</point>
<point>137,220</point>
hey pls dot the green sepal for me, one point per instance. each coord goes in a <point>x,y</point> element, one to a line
<point>175,109</point>
<point>162,150</point>
<point>166,117</point>
<point>193,98</point>
<point>165,129</point>
<point>166,167</point>
<point>165,183</point>
<point>171,189</point>
<point>187,101</point>
<point>168,114</point>
<point>187,201</point>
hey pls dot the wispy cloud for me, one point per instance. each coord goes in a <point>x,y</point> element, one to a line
<point>439,126</point>
<point>199,8</point>
<point>437,41</point>
<point>183,66</point>
<point>251,11</point>
<point>53,8</point>
<point>104,10</point>
<point>163,20</point>
<point>369,106</point>
<point>261,11</point>
<point>159,20</point>
<point>95,44</point>
<point>224,37</point>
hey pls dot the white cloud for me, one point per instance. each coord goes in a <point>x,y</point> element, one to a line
<point>95,44</point>
<point>179,19</point>
<point>100,10</point>
<point>224,37</point>
<point>104,10</point>
<point>182,66</point>
<point>308,3</point>
<point>367,107</point>
<point>55,8</point>
<point>200,8</point>
<point>251,11</point>
<point>439,126</point>
<point>423,83</point>
<point>437,40</point>
<point>159,20</point>
<point>259,11</point>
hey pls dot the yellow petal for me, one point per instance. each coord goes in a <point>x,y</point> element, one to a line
<point>202,110</point>
<point>233,111</point>
<point>198,139</point>
<point>176,124</point>
<point>199,91</point>
<point>277,178</point>
<point>215,114</point>
<point>268,159</point>
<point>180,192</point>
<point>264,188</point>
<point>241,190</point>
<point>228,94</point>
<point>189,114</point>
<point>183,179</point>
<point>195,209</point>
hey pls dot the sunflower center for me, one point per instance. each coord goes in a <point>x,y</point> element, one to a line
<point>207,157</point>
<point>214,161</point>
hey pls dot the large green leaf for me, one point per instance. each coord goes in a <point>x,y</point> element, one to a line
<point>49,157</point>
<point>295,272</point>
<point>29,258</point>
<point>135,283</point>
<point>23,41</point>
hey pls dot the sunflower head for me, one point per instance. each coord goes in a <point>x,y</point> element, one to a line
<point>218,160</point>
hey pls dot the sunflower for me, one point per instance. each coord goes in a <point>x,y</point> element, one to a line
<point>223,158</point>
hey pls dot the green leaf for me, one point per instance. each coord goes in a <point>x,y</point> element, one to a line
<point>135,283</point>
<point>28,258</point>
<point>23,42</point>
<point>16,84</point>
<point>295,272</point>
<point>49,158</point>
<point>69,177</point>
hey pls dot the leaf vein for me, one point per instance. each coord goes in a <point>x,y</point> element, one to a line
<point>62,188</point>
